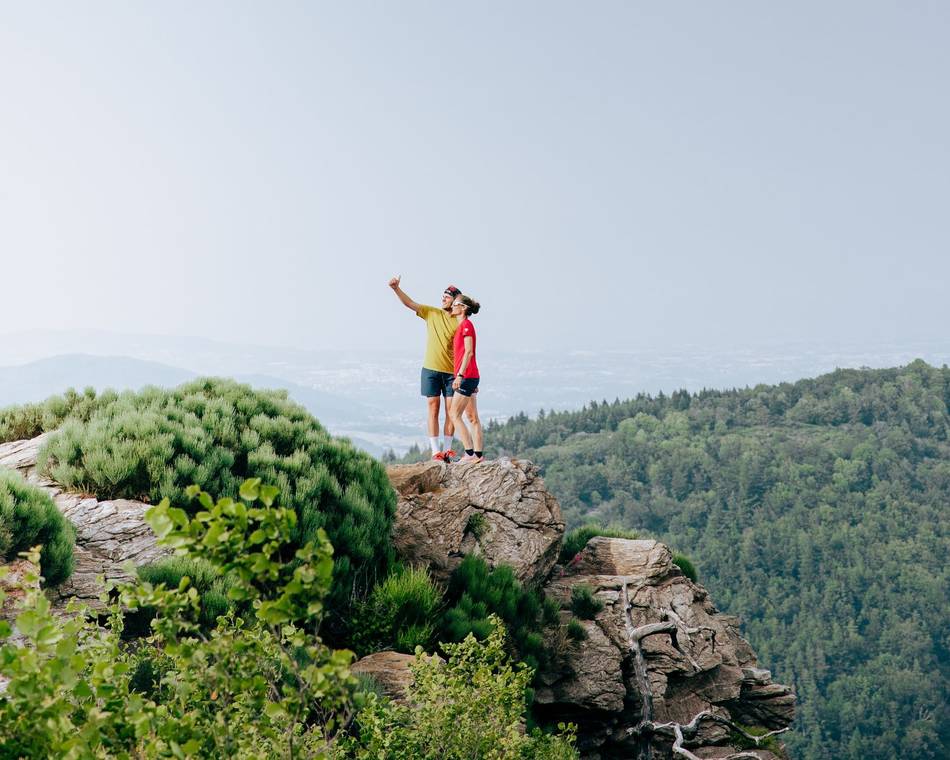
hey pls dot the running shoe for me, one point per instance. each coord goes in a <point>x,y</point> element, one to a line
<point>449,455</point>
<point>470,458</point>
<point>439,456</point>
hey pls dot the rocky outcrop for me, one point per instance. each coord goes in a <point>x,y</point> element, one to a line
<point>658,652</point>
<point>660,665</point>
<point>658,657</point>
<point>108,533</point>
<point>499,510</point>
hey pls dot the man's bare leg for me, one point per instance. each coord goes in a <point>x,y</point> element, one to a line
<point>432,424</point>
<point>449,422</point>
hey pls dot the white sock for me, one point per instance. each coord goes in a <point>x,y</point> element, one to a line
<point>435,444</point>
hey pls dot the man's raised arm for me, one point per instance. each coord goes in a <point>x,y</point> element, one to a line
<point>406,300</point>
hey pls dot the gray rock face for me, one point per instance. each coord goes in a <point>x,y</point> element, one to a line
<point>499,510</point>
<point>698,663</point>
<point>108,533</point>
<point>658,652</point>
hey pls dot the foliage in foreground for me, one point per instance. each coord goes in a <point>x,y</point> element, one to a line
<point>28,516</point>
<point>211,586</point>
<point>261,687</point>
<point>154,443</point>
<point>471,707</point>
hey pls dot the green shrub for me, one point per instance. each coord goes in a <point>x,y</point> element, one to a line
<point>576,631</point>
<point>476,592</point>
<point>212,590</point>
<point>215,433</point>
<point>550,612</point>
<point>577,539</point>
<point>29,420</point>
<point>476,525</point>
<point>739,737</point>
<point>263,686</point>
<point>399,613</point>
<point>472,706</point>
<point>366,684</point>
<point>686,565</point>
<point>29,517</point>
<point>584,604</point>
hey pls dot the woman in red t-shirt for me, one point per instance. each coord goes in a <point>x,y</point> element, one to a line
<point>466,379</point>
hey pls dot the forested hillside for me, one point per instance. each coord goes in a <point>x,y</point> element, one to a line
<point>817,511</point>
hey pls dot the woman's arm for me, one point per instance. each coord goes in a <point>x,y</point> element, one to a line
<point>466,358</point>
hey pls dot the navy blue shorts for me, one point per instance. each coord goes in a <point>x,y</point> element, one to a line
<point>435,383</point>
<point>469,386</point>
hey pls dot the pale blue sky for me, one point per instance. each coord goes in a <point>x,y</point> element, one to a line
<point>598,175</point>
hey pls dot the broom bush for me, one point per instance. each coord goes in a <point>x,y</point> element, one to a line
<point>28,517</point>
<point>215,433</point>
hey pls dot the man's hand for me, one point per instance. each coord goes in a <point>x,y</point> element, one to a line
<point>406,300</point>
<point>456,383</point>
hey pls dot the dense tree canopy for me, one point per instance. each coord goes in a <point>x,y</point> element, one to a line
<point>817,511</point>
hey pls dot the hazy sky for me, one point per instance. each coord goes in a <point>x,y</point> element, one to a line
<point>598,175</point>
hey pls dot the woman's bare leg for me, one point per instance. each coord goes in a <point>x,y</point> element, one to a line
<point>473,418</point>
<point>459,404</point>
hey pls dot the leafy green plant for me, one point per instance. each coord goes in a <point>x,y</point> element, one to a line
<point>685,564</point>
<point>212,591</point>
<point>263,686</point>
<point>577,539</point>
<point>399,613</point>
<point>476,592</point>
<point>366,684</point>
<point>28,516</point>
<point>740,739</point>
<point>215,433</point>
<point>576,631</point>
<point>472,706</point>
<point>584,604</point>
<point>476,525</point>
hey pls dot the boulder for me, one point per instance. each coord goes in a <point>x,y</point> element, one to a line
<point>499,510</point>
<point>389,669</point>
<point>694,662</point>
<point>109,533</point>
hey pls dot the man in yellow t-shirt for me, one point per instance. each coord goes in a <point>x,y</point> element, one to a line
<point>437,366</point>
